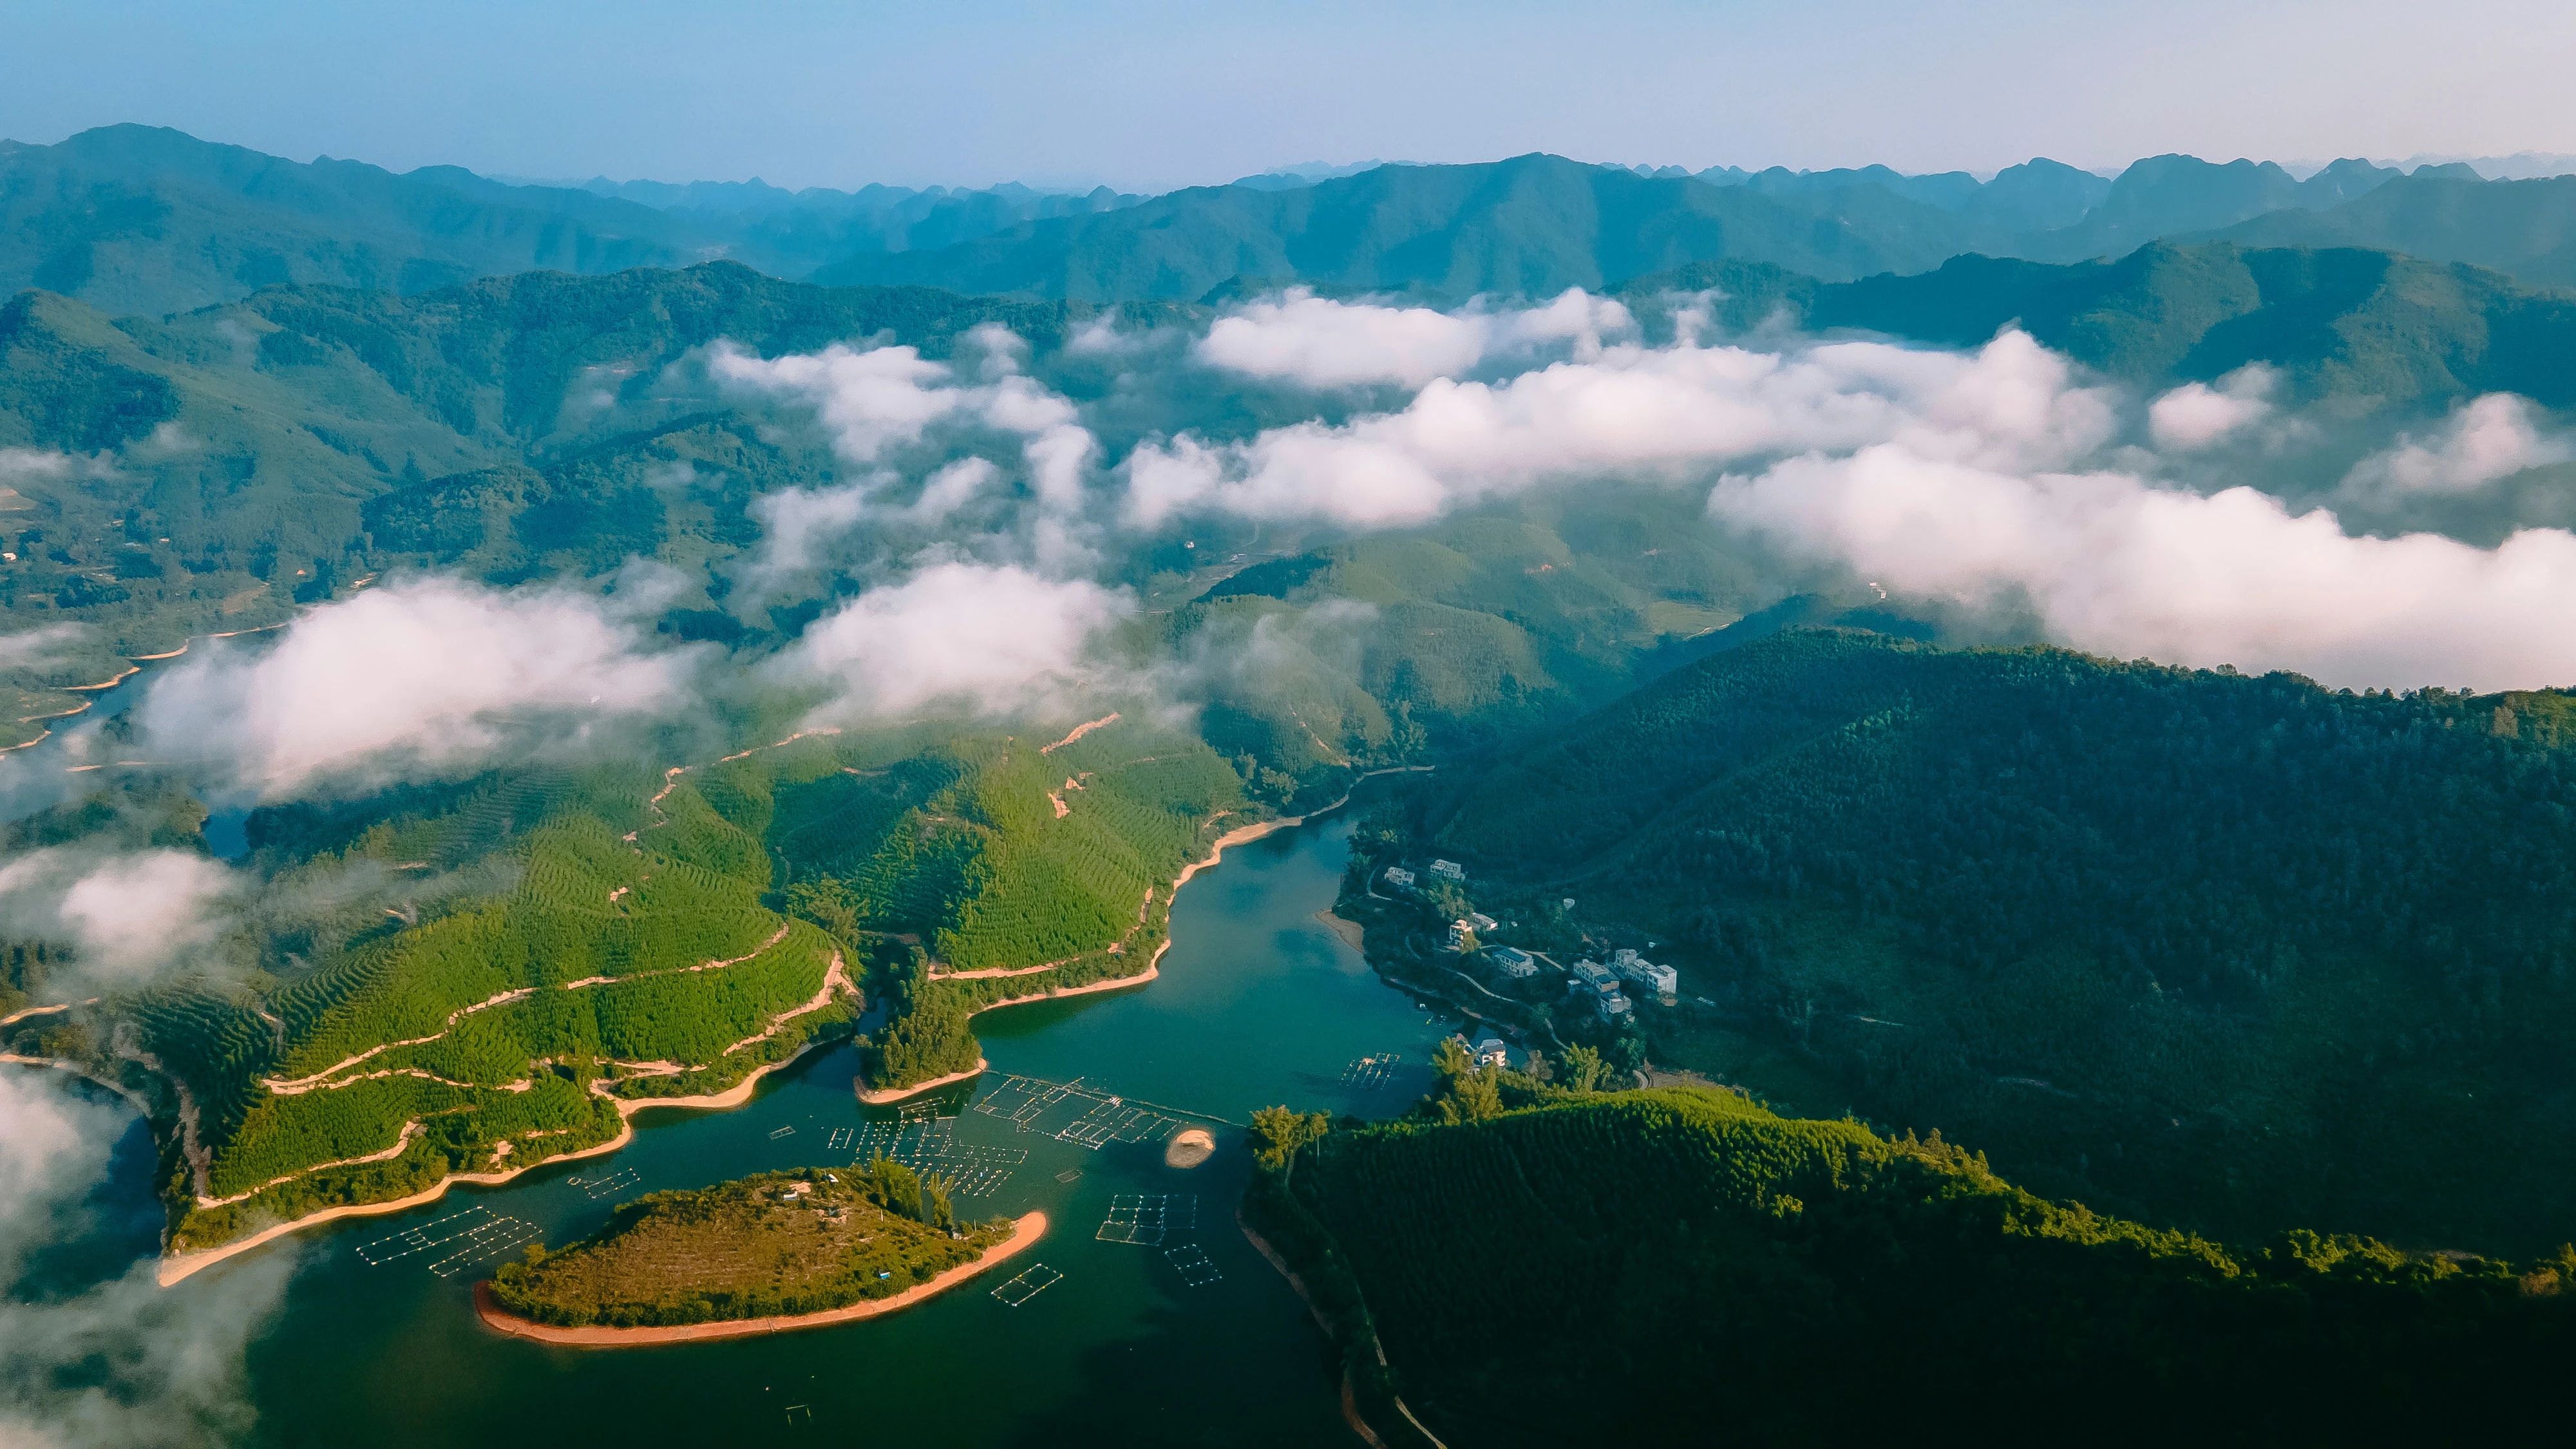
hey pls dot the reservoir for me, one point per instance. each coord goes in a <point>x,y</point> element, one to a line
<point>1189,1340</point>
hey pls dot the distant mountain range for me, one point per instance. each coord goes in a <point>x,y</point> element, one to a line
<point>138,220</point>
<point>144,220</point>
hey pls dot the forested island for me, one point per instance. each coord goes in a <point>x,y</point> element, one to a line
<point>764,1253</point>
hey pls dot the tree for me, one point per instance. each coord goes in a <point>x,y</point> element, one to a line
<point>1279,1132</point>
<point>1581,1068</point>
<point>1473,1097</point>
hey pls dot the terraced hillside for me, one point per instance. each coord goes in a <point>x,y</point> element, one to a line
<point>562,949</point>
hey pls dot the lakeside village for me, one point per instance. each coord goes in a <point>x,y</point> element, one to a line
<point>1532,989</point>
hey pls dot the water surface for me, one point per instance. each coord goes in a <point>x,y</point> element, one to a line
<point>1257,1004</point>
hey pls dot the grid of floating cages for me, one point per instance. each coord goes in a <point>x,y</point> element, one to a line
<point>1370,1074</point>
<point>608,1184</point>
<point>460,1240</point>
<point>1196,1268</point>
<point>1032,1281</point>
<point>1072,1112</point>
<point>782,1132</point>
<point>929,1144</point>
<point>839,1141</point>
<point>1147,1218</point>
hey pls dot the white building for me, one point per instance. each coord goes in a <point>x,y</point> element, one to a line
<point>1639,972</point>
<point>1490,1052</point>
<point>1482,922</point>
<point>1462,936</point>
<point>1594,976</point>
<point>1449,870</point>
<point>1613,1006</point>
<point>1398,877</point>
<point>1512,961</point>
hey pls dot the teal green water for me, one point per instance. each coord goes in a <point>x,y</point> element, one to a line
<point>1257,1004</point>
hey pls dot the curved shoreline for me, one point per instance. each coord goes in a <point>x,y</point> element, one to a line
<point>1240,835</point>
<point>881,1096</point>
<point>1025,1232</point>
<point>173,1269</point>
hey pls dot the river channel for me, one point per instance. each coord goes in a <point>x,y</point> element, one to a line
<point>1189,1340</point>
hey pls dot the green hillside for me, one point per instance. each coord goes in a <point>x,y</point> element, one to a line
<point>318,435</point>
<point>1530,226</point>
<point>2524,228</point>
<point>2237,952</point>
<point>559,944</point>
<point>146,220</point>
<point>1684,1267</point>
<point>143,220</point>
<point>2368,328</point>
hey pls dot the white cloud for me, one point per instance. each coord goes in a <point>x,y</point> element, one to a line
<point>129,914</point>
<point>38,648</point>
<point>122,1363</point>
<point>2490,437</point>
<point>1631,411</point>
<point>876,400</point>
<point>983,639</point>
<point>795,526</point>
<point>2113,564</point>
<point>19,465</point>
<point>869,399</point>
<point>2196,416</point>
<point>952,488</point>
<point>431,675</point>
<point>1305,339</point>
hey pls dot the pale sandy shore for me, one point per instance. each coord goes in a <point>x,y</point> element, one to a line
<point>173,1269</point>
<point>884,1095</point>
<point>1024,1233</point>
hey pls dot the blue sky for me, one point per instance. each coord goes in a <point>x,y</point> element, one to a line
<point>1151,95</point>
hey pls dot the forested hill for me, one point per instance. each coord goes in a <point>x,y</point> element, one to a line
<point>296,408</point>
<point>148,220</point>
<point>2346,322</point>
<point>1680,1267</point>
<point>2239,951</point>
<point>1530,226</point>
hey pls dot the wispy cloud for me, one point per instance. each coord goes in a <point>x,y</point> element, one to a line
<point>2485,439</point>
<point>123,1363</point>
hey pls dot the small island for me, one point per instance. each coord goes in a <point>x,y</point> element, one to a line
<point>762,1254</point>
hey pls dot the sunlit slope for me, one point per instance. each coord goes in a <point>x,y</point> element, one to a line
<point>1685,1267</point>
<point>989,851</point>
<point>2243,951</point>
<point>277,449</point>
<point>479,1029</point>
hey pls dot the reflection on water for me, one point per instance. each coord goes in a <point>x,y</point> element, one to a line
<point>1165,1328</point>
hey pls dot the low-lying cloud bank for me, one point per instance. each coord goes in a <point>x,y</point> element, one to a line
<point>2114,564</point>
<point>1303,339</point>
<point>130,915</point>
<point>429,678</point>
<point>119,1364</point>
<point>1632,411</point>
<point>983,639</point>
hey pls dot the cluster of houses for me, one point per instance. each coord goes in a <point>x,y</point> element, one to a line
<point>1606,990</point>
